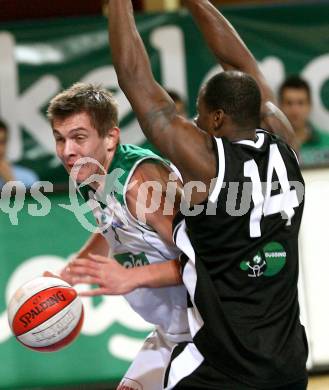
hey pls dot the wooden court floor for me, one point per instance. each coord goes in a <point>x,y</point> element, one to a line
<point>318,383</point>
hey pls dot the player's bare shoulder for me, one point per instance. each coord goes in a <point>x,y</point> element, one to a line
<point>153,183</point>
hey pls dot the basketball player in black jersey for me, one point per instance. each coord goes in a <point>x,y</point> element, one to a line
<point>241,262</point>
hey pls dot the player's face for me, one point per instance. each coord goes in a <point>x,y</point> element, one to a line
<point>296,105</point>
<point>76,138</point>
<point>209,121</point>
<point>3,143</point>
<point>203,118</point>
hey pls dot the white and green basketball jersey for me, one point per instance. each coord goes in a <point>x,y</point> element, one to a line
<point>133,244</point>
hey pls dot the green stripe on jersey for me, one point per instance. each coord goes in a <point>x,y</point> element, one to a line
<point>125,160</point>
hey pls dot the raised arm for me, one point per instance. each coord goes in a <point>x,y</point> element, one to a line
<point>232,53</point>
<point>177,138</point>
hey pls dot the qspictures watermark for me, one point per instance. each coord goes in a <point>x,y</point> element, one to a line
<point>102,190</point>
<point>13,198</point>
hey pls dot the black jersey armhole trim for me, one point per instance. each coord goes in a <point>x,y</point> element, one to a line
<point>215,148</point>
<point>179,217</point>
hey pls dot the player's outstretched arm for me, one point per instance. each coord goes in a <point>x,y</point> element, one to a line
<point>96,243</point>
<point>112,278</point>
<point>231,52</point>
<point>154,207</point>
<point>177,138</point>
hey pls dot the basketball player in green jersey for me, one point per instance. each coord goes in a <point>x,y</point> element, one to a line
<point>133,254</point>
<point>241,261</point>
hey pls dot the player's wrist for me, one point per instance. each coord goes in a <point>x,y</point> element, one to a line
<point>138,277</point>
<point>132,280</point>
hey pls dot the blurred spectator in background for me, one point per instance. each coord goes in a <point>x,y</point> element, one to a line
<point>179,102</point>
<point>9,171</point>
<point>295,100</point>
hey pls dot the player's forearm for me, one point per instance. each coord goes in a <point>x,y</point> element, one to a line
<point>128,53</point>
<point>232,53</point>
<point>221,36</point>
<point>96,244</point>
<point>157,275</point>
<point>151,104</point>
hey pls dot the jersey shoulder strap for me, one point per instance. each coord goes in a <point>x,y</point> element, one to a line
<point>125,161</point>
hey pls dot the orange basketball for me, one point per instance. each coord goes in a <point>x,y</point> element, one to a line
<point>45,314</point>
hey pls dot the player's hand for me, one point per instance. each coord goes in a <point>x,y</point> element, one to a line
<point>64,274</point>
<point>111,277</point>
<point>50,274</point>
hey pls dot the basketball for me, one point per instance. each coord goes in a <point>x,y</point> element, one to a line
<point>45,314</point>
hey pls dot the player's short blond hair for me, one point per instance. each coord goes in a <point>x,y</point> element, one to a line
<point>95,100</point>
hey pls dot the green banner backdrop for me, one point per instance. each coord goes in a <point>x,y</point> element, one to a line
<point>112,332</point>
<point>38,59</point>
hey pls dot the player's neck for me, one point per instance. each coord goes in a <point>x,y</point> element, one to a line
<point>101,180</point>
<point>237,134</point>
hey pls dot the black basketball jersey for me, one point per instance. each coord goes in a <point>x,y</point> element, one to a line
<point>241,264</point>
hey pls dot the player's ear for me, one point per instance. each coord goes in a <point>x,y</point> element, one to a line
<point>112,137</point>
<point>217,119</point>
